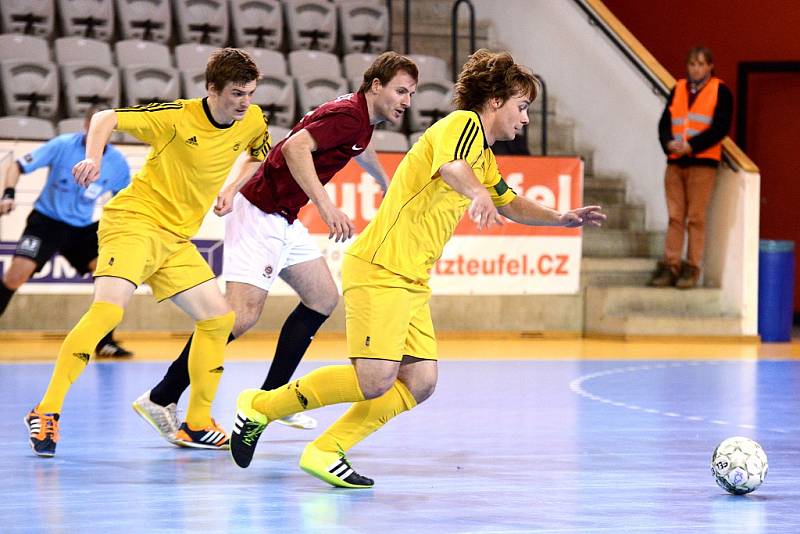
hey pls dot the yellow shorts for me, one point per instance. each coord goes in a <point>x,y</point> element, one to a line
<point>387,315</point>
<point>134,247</point>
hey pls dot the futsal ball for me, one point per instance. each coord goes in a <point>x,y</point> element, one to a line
<point>739,465</point>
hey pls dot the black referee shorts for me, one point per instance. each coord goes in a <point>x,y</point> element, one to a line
<point>43,237</point>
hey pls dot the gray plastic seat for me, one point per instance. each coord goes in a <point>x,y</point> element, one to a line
<point>202,21</point>
<point>257,23</point>
<point>278,133</point>
<point>355,63</point>
<point>388,141</point>
<point>31,17</point>
<point>82,50</point>
<point>269,61</point>
<point>93,19</point>
<point>70,125</point>
<point>30,88</point>
<point>150,83</point>
<point>312,91</point>
<point>414,137</point>
<point>430,67</point>
<point>148,20</point>
<point>26,128</point>
<point>192,56</point>
<point>431,103</point>
<point>134,52</point>
<point>193,83</point>
<point>275,94</point>
<point>365,26</point>
<point>89,85</point>
<point>314,63</point>
<point>18,46</point>
<point>311,24</point>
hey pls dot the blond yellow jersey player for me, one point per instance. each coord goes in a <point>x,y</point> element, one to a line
<point>145,231</point>
<point>391,342</point>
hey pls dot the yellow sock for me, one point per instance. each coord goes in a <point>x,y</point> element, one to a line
<point>206,356</point>
<point>77,348</point>
<point>324,386</point>
<point>365,417</point>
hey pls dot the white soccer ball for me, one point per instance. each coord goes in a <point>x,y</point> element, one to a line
<point>739,465</point>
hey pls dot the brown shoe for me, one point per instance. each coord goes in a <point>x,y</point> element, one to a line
<point>689,277</point>
<point>664,276</point>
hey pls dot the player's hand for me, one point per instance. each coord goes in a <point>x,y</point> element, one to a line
<point>587,215</point>
<point>340,226</point>
<point>7,205</point>
<point>483,212</point>
<point>86,171</point>
<point>224,204</point>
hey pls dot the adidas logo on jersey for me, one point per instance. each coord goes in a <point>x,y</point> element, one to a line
<point>192,141</point>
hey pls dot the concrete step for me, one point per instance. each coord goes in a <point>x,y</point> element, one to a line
<point>616,271</point>
<point>615,243</point>
<point>624,217</point>
<point>603,190</point>
<point>634,326</point>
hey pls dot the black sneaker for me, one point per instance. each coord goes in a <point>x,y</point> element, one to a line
<point>112,350</point>
<point>43,430</point>
<point>248,425</point>
<point>333,468</point>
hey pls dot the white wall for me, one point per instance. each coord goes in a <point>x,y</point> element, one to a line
<point>613,105</point>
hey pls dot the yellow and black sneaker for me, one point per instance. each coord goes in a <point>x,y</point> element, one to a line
<point>210,437</point>
<point>43,429</point>
<point>333,468</point>
<point>248,425</point>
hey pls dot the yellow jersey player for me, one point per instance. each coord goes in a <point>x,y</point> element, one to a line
<point>144,233</point>
<point>390,336</point>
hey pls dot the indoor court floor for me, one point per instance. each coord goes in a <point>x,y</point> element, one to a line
<point>522,435</point>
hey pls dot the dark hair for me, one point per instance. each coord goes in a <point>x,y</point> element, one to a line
<point>230,65</point>
<point>488,75</point>
<point>384,69</point>
<point>696,51</point>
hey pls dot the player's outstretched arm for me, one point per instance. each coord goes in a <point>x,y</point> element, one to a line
<point>7,202</point>
<point>243,169</point>
<point>532,213</point>
<point>297,152</point>
<point>460,176</point>
<point>103,123</point>
<point>368,160</point>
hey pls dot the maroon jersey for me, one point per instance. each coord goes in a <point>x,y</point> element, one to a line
<point>341,129</point>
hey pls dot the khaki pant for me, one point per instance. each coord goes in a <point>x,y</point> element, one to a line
<point>688,192</point>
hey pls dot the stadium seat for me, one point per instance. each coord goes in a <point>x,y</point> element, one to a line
<point>134,52</point>
<point>430,67</point>
<point>151,83</point>
<point>387,141</point>
<point>87,18</point>
<point>204,22</point>
<point>26,128</point>
<point>31,17</point>
<point>192,56</point>
<point>278,133</point>
<point>30,88</point>
<point>269,61</point>
<point>355,63</point>
<point>311,24</point>
<point>414,137</point>
<point>365,26</point>
<point>89,85</point>
<point>257,23</point>
<point>193,83</point>
<point>82,50</point>
<point>70,125</point>
<point>431,103</point>
<point>19,46</point>
<point>313,63</point>
<point>312,91</point>
<point>276,96</point>
<point>148,20</point>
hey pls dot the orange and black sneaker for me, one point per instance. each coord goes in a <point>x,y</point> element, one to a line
<point>210,437</point>
<point>43,429</point>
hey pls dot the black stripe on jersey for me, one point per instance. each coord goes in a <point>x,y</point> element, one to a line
<point>471,140</point>
<point>151,107</point>
<point>464,133</point>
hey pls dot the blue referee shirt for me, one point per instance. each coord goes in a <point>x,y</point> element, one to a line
<point>62,199</point>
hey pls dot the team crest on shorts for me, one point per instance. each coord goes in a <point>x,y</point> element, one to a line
<point>267,271</point>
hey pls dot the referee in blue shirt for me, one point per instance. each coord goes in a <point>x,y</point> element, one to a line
<point>62,219</point>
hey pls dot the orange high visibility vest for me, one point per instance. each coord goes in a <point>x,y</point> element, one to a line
<point>688,122</point>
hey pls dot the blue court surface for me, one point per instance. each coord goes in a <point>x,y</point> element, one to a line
<point>502,446</point>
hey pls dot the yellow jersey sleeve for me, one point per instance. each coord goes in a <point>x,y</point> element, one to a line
<point>502,195</point>
<point>261,144</point>
<point>151,123</point>
<point>459,135</point>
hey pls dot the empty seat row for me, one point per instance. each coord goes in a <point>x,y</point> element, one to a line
<point>311,24</point>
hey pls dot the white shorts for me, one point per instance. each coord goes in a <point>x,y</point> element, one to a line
<point>258,245</point>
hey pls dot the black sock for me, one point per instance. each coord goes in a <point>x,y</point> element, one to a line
<point>5,296</point>
<point>296,334</point>
<point>176,380</point>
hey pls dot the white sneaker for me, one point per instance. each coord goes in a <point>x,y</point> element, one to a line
<point>298,420</point>
<point>162,418</point>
